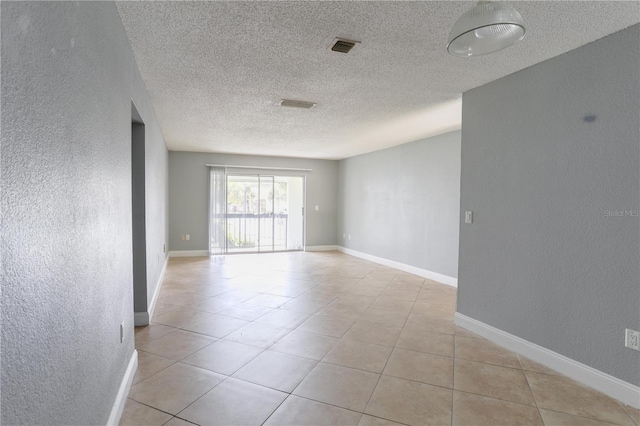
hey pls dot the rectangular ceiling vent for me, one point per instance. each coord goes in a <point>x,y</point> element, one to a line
<point>342,45</point>
<point>296,104</point>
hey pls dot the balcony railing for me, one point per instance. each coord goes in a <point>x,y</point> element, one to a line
<point>252,232</point>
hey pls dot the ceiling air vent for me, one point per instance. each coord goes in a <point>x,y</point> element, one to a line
<point>296,104</point>
<point>342,45</point>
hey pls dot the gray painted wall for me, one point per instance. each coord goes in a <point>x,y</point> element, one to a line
<point>543,260</point>
<point>403,203</point>
<point>189,195</point>
<point>68,78</point>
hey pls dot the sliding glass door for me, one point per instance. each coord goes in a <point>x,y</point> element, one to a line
<point>242,213</point>
<point>289,212</point>
<point>263,213</point>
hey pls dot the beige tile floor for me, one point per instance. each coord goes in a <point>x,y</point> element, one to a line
<point>329,339</point>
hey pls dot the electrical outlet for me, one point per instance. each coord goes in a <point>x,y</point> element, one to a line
<point>188,237</point>
<point>122,332</point>
<point>349,236</point>
<point>468,217</point>
<point>632,339</point>
<point>344,236</point>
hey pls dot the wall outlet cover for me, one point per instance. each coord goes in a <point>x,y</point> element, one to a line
<point>632,339</point>
<point>468,217</point>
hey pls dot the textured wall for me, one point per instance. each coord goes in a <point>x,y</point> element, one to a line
<point>403,203</point>
<point>189,195</point>
<point>68,78</point>
<point>548,155</point>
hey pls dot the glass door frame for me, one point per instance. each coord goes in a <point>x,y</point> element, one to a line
<point>272,217</point>
<point>273,177</point>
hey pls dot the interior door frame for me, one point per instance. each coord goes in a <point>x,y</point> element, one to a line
<point>138,219</point>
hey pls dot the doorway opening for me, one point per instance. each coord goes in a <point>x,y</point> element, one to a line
<point>138,218</point>
<point>256,213</point>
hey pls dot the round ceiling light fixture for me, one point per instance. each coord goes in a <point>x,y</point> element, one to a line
<point>488,27</point>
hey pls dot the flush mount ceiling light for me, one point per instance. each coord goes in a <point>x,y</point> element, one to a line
<point>488,27</point>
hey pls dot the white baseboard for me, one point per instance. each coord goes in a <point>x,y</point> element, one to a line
<point>156,293</point>
<point>123,390</point>
<point>141,319</point>
<point>435,276</point>
<point>321,248</point>
<point>188,253</point>
<point>144,318</point>
<point>602,382</point>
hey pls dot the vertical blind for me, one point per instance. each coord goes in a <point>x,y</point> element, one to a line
<point>217,213</point>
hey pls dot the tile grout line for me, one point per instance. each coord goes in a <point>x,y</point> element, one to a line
<point>393,348</point>
<point>150,406</point>
<point>582,417</point>
<point>279,405</point>
<point>339,338</point>
<point>498,399</point>
<point>201,396</point>
<point>561,412</point>
<point>387,362</point>
<point>293,390</point>
<point>627,413</point>
<point>453,379</point>
<point>315,400</point>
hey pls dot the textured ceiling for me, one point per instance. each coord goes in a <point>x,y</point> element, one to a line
<point>216,70</point>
